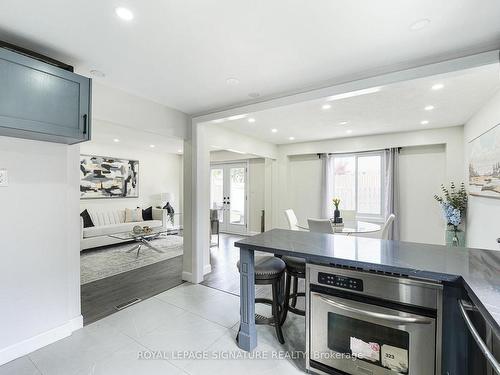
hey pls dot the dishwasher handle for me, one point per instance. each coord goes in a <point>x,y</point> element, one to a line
<point>463,307</point>
<point>381,316</point>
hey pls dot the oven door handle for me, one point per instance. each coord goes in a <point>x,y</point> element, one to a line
<point>372,314</point>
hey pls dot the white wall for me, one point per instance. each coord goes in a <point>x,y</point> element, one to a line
<point>39,273</point>
<point>159,172</point>
<point>422,171</point>
<point>484,213</point>
<point>438,151</point>
<point>114,105</point>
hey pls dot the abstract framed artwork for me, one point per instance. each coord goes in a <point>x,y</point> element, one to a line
<point>484,164</point>
<point>108,177</point>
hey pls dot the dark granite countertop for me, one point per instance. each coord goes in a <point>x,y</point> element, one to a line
<point>478,270</point>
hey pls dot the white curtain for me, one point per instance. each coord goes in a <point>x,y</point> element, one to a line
<point>392,190</point>
<point>327,186</point>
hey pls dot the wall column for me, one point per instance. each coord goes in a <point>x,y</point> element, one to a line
<point>196,259</point>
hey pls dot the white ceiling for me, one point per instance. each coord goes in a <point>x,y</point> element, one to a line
<point>181,52</point>
<point>395,108</point>
<point>105,133</point>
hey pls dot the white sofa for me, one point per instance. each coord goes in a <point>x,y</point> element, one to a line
<point>107,223</point>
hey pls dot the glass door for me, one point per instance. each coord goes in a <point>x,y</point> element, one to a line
<point>228,195</point>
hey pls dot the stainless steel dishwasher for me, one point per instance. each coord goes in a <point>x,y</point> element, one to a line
<point>364,323</point>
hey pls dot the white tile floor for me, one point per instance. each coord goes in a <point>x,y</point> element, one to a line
<point>186,318</point>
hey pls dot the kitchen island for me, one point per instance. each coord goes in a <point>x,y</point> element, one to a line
<point>463,272</point>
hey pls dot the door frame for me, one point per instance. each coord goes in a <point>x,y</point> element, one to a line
<point>226,227</point>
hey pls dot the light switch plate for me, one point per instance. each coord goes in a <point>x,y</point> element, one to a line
<point>4,178</point>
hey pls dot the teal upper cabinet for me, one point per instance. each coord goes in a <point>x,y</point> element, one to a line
<point>41,101</point>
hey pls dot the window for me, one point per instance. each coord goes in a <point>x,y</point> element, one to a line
<point>358,181</point>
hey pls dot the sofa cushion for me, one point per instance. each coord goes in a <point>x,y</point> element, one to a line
<point>87,220</point>
<point>100,218</point>
<point>133,215</point>
<point>147,214</point>
<point>106,230</point>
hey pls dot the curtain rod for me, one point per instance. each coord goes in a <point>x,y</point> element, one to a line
<point>357,152</point>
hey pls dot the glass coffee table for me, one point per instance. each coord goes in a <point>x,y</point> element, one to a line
<point>142,239</point>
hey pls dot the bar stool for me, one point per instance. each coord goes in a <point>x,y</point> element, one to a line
<point>295,270</point>
<point>270,271</point>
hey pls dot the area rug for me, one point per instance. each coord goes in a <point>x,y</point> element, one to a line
<point>111,260</point>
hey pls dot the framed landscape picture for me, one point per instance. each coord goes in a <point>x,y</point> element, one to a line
<point>107,177</point>
<point>484,164</point>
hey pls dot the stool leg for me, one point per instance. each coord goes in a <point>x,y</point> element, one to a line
<point>277,311</point>
<point>286,301</point>
<point>294,291</point>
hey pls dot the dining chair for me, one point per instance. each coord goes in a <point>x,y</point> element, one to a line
<point>320,225</point>
<point>348,215</point>
<point>384,233</point>
<point>292,219</point>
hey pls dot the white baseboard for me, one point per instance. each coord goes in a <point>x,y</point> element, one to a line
<point>252,233</point>
<point>207,269</point>
<point>39,341</point>
<point>188,276</point>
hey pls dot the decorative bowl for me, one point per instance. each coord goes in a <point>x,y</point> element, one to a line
<point>137,229</point>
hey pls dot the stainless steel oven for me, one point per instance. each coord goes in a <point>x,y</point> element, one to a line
<point>364,323</point>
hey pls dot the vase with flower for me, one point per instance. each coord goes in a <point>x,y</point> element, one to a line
<point>454,205</point>
<point>336,213</point>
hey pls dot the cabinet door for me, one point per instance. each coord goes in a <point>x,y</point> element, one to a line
<point>38,97</point>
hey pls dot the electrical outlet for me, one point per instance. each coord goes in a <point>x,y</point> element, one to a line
<point>4,178</point>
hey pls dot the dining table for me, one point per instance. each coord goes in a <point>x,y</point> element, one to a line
<point>352,227</point>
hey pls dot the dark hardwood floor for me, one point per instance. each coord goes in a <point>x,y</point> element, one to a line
<point>225,275</point>
<point>100,297</point>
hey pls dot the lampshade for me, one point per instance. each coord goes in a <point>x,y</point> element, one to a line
<point>167,197</point>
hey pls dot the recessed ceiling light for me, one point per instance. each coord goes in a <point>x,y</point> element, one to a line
<point>97,73</point>
<point>343,122</point>
<point>251,120</point>
<point>254,95</point>
<point>124,13</point>
<point>424,122</point>
<point>437,86</point>
<point>348,131</point>
<point>116,140</point>
<point>429,107</point>
<point>274,130</point>
<point>236,117</point>
<point>420,24</point>
<point>291,138</point>
<point>218,121</point>
<point>152,146</point>
<point>352,94</point>
<point>326,106</point>
<point>232,81</point>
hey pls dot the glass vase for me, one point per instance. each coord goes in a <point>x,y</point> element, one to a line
<point>455,237</point>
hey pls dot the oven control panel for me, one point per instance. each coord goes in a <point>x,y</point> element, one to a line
<point>340,281</point>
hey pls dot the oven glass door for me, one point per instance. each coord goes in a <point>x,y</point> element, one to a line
<point>360,338</point>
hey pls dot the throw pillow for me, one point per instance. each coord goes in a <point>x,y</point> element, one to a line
<point>133,215</point>
<point>87,220</point>
<point>147,214</point>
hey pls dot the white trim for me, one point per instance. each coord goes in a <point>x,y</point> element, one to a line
<point>378,77</point>
<point>188,276</point>
<point>207,269</point>
<point>39,341</point>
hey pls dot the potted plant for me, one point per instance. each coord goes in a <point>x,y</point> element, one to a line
<point>454,205</point>
<point>336,213</point>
